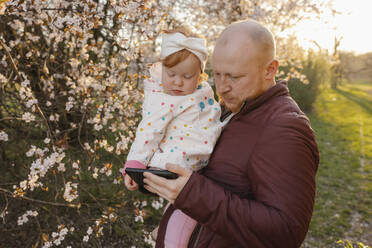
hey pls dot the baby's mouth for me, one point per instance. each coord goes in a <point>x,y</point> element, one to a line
<point>177,92</point>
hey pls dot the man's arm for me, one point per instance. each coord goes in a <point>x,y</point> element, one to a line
<point>283,183</point>
<point>282,176</point>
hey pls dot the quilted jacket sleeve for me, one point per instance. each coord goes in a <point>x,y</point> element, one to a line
<point>282,172</point>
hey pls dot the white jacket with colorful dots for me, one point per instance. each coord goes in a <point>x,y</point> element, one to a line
<point>175,129</point>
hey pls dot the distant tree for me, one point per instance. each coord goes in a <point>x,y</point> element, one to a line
<point>336,68</point>
<point>356,67</point>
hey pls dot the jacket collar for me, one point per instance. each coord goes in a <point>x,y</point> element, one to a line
<point>279,89</point>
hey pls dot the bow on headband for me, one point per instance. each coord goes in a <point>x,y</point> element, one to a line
<point>174,42</point>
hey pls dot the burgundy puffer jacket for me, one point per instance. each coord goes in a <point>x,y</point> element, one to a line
<point>258,189</point>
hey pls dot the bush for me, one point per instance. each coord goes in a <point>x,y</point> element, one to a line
<point>304,90</point>
<point>69,108</point>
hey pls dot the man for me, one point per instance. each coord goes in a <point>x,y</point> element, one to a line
<point>259,186</point>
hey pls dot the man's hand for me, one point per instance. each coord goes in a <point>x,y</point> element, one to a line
<point>167,188</point>
<point>130,183</point>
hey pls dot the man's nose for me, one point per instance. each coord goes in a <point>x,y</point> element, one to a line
<point>223,85</point>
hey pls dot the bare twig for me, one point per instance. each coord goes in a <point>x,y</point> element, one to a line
<point>6,48</point>
<point>45,119</point>
<point>7,184</point>
<point>92,196</point>
<point>40,233</point>
<point>77,206</point>
<point>80,126</point>
<point>10,118</point>
<point>3,213</point>
<point>64,9</point>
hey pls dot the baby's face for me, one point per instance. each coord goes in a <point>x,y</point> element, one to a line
<point>181,79</point>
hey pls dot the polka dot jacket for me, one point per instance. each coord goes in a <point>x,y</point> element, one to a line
<point>175,129</point>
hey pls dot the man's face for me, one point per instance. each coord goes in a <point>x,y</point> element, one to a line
<point>238,74</point>
<point>183,78</point>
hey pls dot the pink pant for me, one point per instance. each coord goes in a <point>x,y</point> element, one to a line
<point>179,230</point>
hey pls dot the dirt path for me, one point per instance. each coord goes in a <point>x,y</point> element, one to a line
<point>363,229</point>
<point>358,227</point>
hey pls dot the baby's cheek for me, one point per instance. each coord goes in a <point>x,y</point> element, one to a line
<point>166,86</point>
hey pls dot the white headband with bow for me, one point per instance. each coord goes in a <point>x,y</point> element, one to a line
<point>174,42</point>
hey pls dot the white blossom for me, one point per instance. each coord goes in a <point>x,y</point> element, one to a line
<point>75,165</point>
<point>70,193</point>
<point>157,204</point>
<point>70,103</point>
<point>24,218</point>
<point>95,173</point>
<point>28,117</point>
<point>54,117</point>
<point>60,235</point>
<point>31,152</point>
<point>148,239</point>
<point>89,232</point>
<point>31,102</point>
<point>47,244</point>
<point>23,184</point>
<point>98,127</point>
<point>139,217</point>
<point>86,238</point>
<point>61,167</point>
<point>3,136</point>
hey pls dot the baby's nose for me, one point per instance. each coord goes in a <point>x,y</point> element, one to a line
<point>178,81</point>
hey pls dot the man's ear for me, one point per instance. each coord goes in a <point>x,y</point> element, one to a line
<point>271,69</point>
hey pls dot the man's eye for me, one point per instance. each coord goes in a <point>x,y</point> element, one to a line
<point>188,76</point>
<point>171,74</point>
<point>234,78</point>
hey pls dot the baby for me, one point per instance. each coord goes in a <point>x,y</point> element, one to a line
<point>180,118</point>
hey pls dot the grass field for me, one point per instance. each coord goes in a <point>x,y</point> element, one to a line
<point>342,120</point>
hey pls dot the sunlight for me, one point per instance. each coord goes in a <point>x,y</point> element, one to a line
<point>352,25</point>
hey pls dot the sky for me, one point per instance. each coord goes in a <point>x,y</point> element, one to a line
<point>353,25</point>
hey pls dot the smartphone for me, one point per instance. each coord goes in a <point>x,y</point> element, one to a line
<point>137,175</point>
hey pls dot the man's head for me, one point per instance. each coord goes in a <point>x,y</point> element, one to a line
<point>244,63</point>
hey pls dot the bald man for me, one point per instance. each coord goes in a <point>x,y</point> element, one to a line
<point>259,186</point>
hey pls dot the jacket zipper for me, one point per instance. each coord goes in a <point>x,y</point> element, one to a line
<point>197,237</point>
<point>201,228</point>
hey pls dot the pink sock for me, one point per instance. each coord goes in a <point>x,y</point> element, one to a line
<point>179,230</point>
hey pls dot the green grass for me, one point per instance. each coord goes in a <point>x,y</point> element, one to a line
<point>342,121</point>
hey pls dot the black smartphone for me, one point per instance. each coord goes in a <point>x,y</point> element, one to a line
<point>137,175</point>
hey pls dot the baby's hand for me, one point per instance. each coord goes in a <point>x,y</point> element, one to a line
<point>130,183</point>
